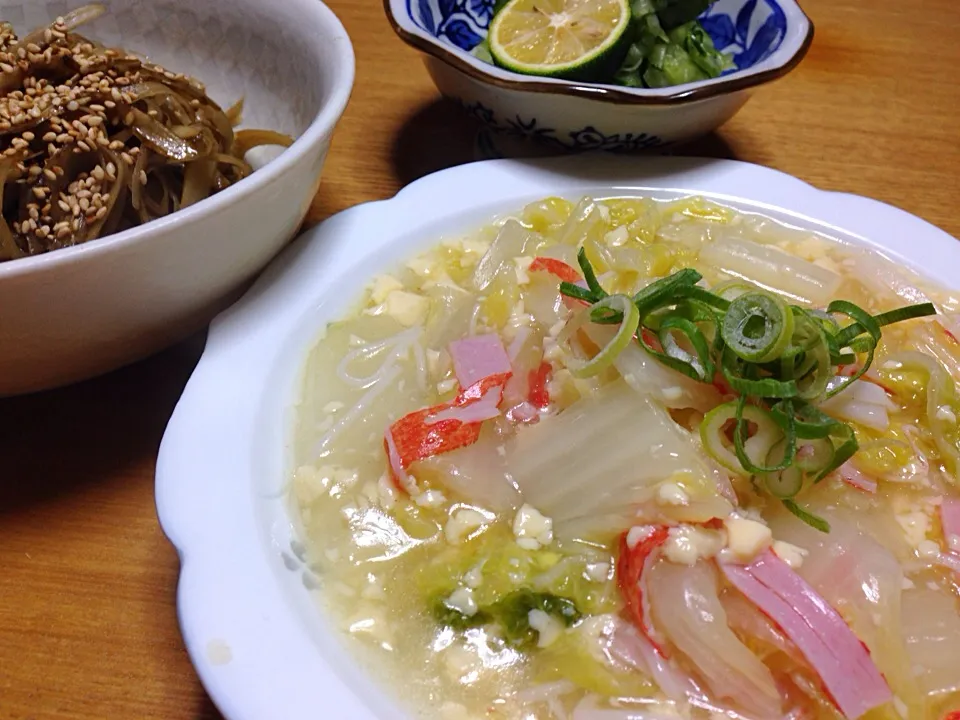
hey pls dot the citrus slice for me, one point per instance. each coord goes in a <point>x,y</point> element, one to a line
<point>573,39</point>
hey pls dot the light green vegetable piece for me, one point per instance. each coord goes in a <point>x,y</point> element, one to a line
<point>578,656</point>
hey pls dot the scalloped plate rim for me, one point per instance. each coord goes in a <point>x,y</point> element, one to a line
<point>220,444</point>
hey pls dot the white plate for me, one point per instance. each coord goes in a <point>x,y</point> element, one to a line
<point>260,646</point>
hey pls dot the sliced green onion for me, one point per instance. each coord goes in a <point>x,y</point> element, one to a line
<point>609,352</point>
<point>811,423</point>
<point>814,521</point>
<point>785,483</point>
<point>863,322</point>
<point>825,319</point>
<point>589,275</point>
<point>845,381</point>
<point>732,289</point>
<point>816,372</point>
<point>700,363</point>
<point>654,294</point>
<point>773,355</point>
<point>757,327</point>
<point>814,456</point>
<point>764,387</point>
<point>908,312</point>
<point>695,292</point>
<point>757,447</point>
<point>863,335</point>
<point>845,450</point>
<point>740,441</point>
<point>577,292</point>
<point>807,425</point>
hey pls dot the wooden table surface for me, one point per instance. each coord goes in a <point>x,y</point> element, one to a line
<point>88,624</point>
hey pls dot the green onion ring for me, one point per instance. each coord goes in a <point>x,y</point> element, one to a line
<point>701,363</point>
<point>814,521</point>
<point>756,447</point>
<point>609,352</point>
<point>740,332</point>
<point>589,275</point>
<point>739,443</point>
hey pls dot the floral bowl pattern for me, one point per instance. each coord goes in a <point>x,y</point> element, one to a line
<point>766,39</point>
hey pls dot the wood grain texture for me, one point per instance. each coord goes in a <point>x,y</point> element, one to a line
<point>87,614</point>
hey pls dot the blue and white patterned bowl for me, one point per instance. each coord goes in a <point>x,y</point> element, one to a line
<point>767,39</point>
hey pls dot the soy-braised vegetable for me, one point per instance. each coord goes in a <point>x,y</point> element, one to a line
<point>95,140</point>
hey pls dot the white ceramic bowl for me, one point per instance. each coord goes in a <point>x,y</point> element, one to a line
<point>245,597</point>
<point>767,39</point>
<point>81,311</point>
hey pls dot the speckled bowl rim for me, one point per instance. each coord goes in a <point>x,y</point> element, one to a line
<point>327,26</point>
<point>685,94</point>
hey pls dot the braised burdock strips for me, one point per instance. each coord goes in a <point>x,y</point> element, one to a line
<point>96,140</point>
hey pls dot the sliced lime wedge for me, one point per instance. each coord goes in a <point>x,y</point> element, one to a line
<point>573,39</point>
